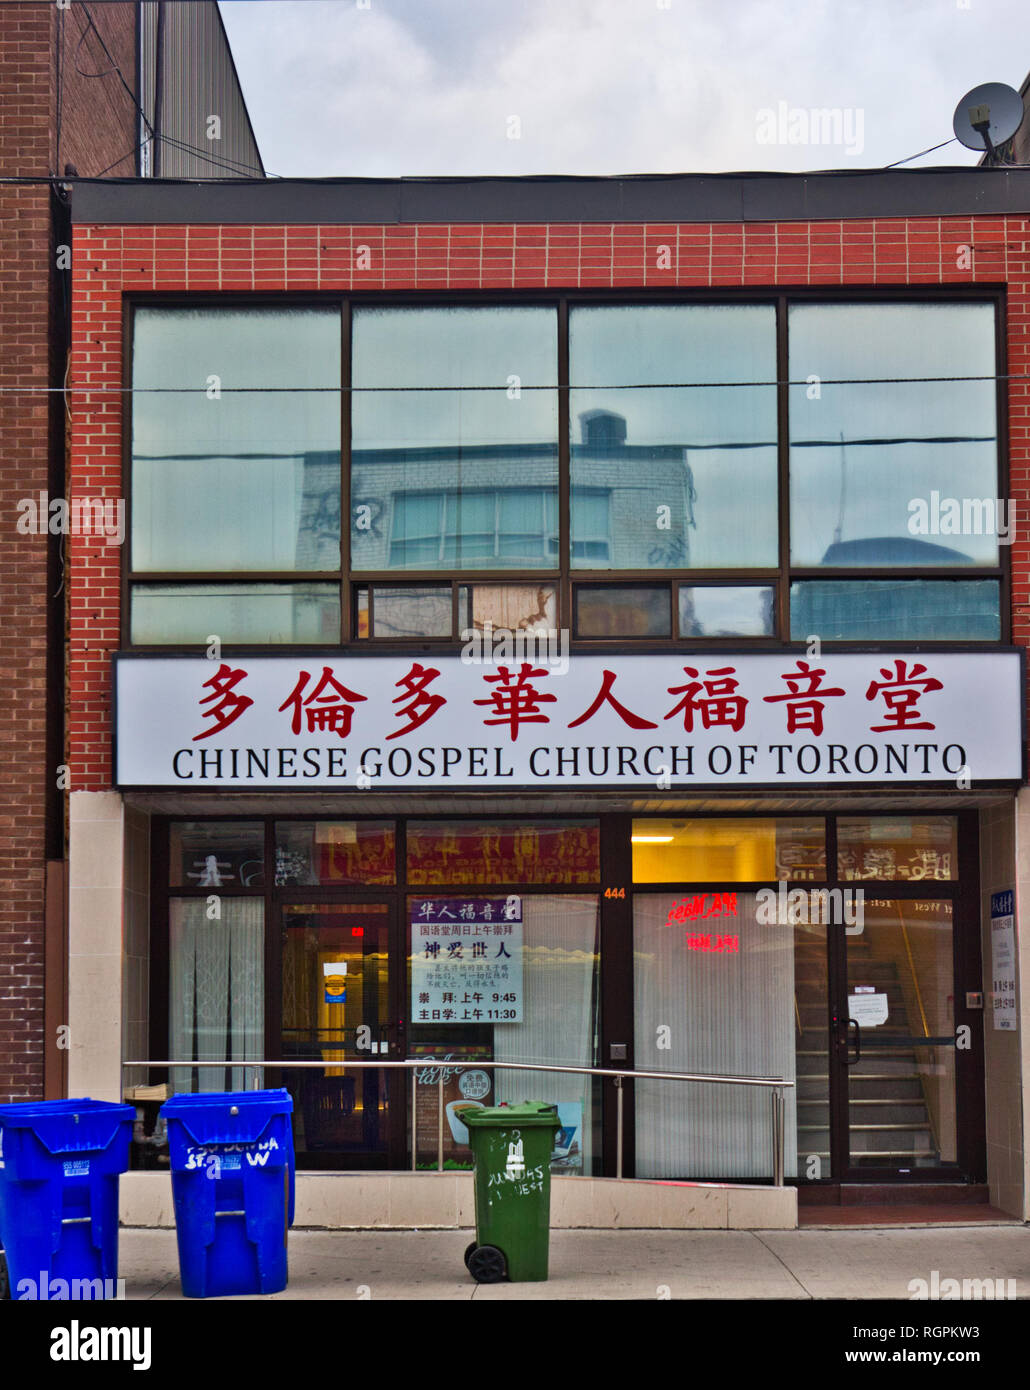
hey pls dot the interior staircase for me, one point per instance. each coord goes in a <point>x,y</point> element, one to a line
<point>889,1121</point>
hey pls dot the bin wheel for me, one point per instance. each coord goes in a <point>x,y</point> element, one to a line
<point>468,1253</point>
<point>487,1264</point>
<point>5,1283</point>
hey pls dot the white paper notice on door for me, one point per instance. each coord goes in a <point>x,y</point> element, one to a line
<point>868,1010</point>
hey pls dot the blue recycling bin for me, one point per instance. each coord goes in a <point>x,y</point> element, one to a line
<point>60,1161</point>
<point>233,1189</point>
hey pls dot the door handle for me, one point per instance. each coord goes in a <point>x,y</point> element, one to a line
<point>393,1038</point>
<point>850,1061</point>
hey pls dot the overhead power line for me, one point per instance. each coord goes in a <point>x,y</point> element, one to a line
<point>505,386</point>
<point>232,165</point>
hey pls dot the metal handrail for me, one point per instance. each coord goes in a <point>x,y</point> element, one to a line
<point>777,1086</point>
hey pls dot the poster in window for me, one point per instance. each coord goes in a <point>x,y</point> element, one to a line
<point>465,1087</point>
<point>466,960</point>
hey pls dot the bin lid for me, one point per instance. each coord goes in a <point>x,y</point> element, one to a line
<point>69,1126</point>
<point>227,1117</point>
<point>524,1116</point>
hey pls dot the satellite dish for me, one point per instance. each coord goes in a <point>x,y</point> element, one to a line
<point>988,116</point>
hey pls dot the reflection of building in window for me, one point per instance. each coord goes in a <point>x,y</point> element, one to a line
<point>478,507</point>
<point>490,528</point>
<point>652,497</point>
<point>496,506</point>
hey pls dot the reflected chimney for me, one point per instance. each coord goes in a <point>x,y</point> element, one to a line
<point>602,429</point>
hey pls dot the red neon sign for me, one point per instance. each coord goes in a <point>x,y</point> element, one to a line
<point>730,944</point>
<point>692,909</point>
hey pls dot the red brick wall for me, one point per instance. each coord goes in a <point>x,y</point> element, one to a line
<point>98,116</point>
<point>110,261</point>
<point>97,127</point>
<point>25,259</point>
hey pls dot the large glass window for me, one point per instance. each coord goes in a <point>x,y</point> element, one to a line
<point>666,525</point>
<point>883,435</point>
<point>216,992</point>
<point>718,995</point>
<point>512,980</point>
<point>236,440</point>
<point>560,1021</point>
<point>235,469</point>
<point>691,468</point>
<point>725,849</point>
<point>454,460</point>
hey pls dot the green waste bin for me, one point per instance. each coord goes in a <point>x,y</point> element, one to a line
<point>512,1145</point>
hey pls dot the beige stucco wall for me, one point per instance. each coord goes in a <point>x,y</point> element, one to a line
<point>424,1201</point>
<point>136,941</point>
<point>96,902</point>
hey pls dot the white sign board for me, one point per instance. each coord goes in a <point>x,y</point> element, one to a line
<point>1003,961</point>
<point>676,720</point>
<point>466,960</point>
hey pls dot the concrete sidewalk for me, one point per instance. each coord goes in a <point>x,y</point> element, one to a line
<point>645,1264</point>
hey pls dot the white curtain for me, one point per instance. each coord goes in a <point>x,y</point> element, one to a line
<point>559,1018</point>
<point>216,1009</point>
<point>711,1011</point>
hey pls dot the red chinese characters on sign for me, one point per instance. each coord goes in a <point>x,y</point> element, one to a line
<point>604,695</point>
<point>516,700</point>
<point>804,711</point>
<point>690,909</point>
<point>714,943</point>
<point>230,705</point>
<point>329,707</point>
<point>421,705</point>
<point>901,692</point>
<point>711,700</point>
<point>721,704</point>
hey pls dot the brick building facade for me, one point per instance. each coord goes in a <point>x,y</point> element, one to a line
<point>938,238</point>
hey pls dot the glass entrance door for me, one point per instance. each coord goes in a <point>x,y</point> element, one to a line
<point>894,1038</point>
<point>340,1004</point>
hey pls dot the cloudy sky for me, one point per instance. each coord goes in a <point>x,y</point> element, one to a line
<point>432,87</point>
